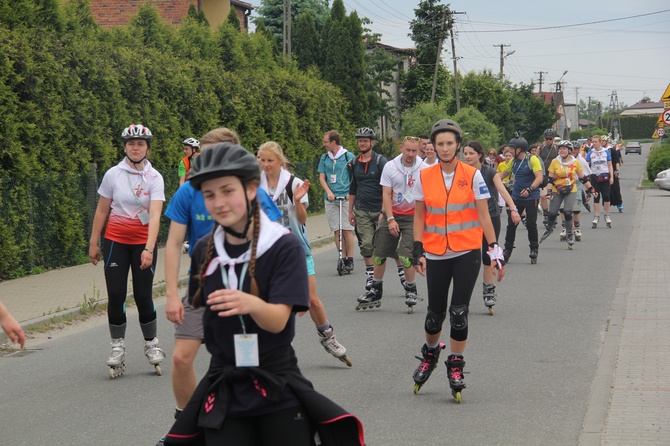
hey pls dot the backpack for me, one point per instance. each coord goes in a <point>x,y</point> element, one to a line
<point>377,157</point>
<point>289,188</point>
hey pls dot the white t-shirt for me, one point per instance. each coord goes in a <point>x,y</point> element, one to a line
<point>401,179</point>
<point>480,190</point>
<point>126,187</point>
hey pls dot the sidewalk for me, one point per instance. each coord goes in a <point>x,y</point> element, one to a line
<point>631,391</point>
<point>34,299</point>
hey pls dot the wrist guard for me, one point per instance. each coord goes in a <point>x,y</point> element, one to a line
<point>550,180</point>
<point>584,179</point>
<point>417,252</point>
<point>495,252</point>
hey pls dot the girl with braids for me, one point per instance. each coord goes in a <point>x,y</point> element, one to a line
<point>253,392</point>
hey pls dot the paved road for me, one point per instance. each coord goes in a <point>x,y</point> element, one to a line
<point>531,366</point>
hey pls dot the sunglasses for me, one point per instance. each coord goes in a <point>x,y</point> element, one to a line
<point>411,138</point>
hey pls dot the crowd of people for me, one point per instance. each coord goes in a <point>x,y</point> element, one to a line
<point>435,209</point>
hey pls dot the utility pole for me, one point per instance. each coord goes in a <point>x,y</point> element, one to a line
<point>502,57</point>
<point>450,24</point>
<point>577,102</point>
<point>287,28</point>
<point>437,58</point>
<point>588,116</point>
<point>541,73</point>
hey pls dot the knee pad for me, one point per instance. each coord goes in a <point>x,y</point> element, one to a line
<point>405,261</point>
<point>379,261</point>
<point>568,215</point>
<point>434,322</point>
<point>577,212</point>
<point>458,316</point>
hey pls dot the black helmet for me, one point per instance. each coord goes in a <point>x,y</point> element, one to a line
<point>224,159</point>
<point>365,132</point>
<point>565,143</point>
<point>549,133</point>
<point>518,143</point>
<point>446,125</point>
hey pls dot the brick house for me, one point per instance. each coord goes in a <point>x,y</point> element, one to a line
<point>109,13</point>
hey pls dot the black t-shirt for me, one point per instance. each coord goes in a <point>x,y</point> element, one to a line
<point>488,173</point>
<point>281,275</point>
<point>365,177</point>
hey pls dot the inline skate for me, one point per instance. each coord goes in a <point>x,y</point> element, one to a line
<point>608,221</point>
<point>327,339</point>
<point>429,359</point>
<point>455,364</point>
<point>547,232</point>
<point>533,256</point>
<point>411,296</point>
<point>594,223</point>
<point>578,235</point>
<point>117,358</point>
<point>571,240</point>
<point>489,296</point>
<point>154,354</point>
<point>371,298</point>
<point>563,234</point>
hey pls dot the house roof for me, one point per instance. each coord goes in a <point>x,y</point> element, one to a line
<point>243,5</point>
<point>644,108</point>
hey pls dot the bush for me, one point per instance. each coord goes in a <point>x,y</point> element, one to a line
<point>658,161</point>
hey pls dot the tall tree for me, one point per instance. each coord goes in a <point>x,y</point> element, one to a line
<point>305,42</point>
<point>344,64</point>
<point>272,13</point>
<point>427,33</point>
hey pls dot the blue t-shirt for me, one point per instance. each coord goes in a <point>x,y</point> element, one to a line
<point>337,173</point>
<point>187,207</point>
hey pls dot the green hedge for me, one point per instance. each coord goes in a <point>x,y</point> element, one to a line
<point>634,128</point>
<point>658,161</point>
<point>68,88</point>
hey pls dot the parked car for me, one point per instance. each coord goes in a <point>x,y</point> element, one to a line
<point>633,147</point>
<point>663,179</point>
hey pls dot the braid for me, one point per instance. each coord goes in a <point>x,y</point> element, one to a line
<point>254,245</point>
<point>203,268</point>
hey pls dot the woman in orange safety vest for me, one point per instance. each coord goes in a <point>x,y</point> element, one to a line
<point>450,218</point>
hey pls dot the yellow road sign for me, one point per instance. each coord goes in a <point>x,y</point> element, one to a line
<point>660,122</point>
<point>666,104</point>
<point>666,95</point>
<point>655,135</point>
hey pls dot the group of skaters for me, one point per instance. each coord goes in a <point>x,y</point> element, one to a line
<point>435,209</point>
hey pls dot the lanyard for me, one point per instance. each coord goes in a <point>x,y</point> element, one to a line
<point>240,284</point>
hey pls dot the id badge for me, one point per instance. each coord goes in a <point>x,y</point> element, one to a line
<point>246,350</point>
<point>143,215</point>
<point>333,178</point>
<point>399,198</point>
<point>409,197</point>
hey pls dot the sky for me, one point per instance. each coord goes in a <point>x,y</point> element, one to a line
<point>614,50</point>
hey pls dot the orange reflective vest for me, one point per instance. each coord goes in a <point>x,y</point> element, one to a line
<point>451,216</point>
<point>187,163</point>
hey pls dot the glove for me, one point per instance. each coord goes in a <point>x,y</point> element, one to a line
<point>417,252</point>
<point>495,252</point>
<point>550,195</point>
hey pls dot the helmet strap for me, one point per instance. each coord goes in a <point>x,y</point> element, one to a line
<point>251,207</point>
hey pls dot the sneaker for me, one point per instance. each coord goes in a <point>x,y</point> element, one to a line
<point>327,339</point>
<point>153,352</point>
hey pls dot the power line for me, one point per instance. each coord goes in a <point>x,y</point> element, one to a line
<point>570,26</point>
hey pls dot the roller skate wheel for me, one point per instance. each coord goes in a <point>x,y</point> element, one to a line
<point>340,270</point>
<point>491,311</point>
<point>417,387</point>
<point>533,261</point>
<point>410,310</point>
<point>570,247</point>
<point>563,238</point>
<point>378,304</point>
<point>116,371</point>
<point>457,396</point>
<point>358,307</point>
<point>159,372</point>
<point>345,359</point>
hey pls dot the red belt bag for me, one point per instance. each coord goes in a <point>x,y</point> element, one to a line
<point>601,178</point>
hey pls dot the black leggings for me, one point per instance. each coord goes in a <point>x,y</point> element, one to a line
<point>463,272</point>
<point>486,260</point>
<point>119,259</point>
<point>287,427</point>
